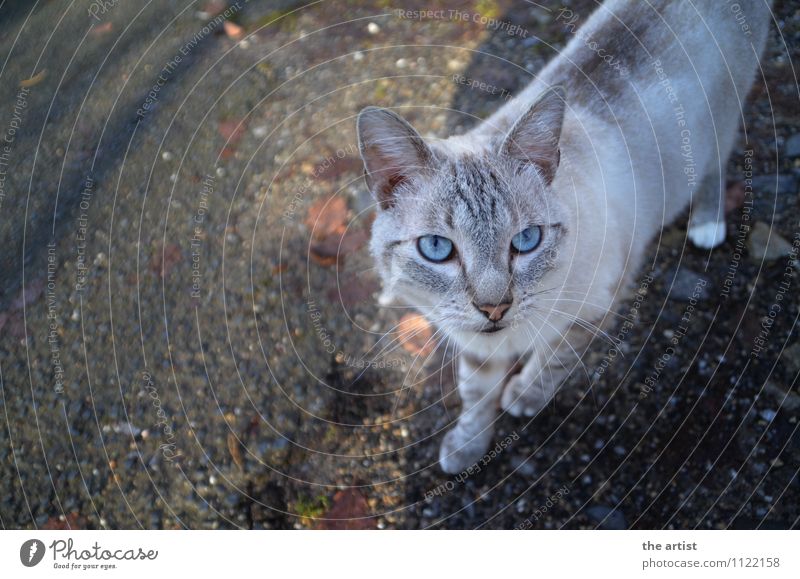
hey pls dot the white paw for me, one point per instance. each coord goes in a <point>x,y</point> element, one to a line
<point>519,399</point>
<point>460,451</point>
<point>707,235</point>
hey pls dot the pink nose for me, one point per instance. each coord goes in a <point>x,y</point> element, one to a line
<point>494,312</point>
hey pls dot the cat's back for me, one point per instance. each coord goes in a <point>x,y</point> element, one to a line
<point>625,51</point>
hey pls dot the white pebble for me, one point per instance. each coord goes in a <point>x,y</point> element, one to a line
<point>373,28</point>
<point>167,156</point>
<point>401,63</point>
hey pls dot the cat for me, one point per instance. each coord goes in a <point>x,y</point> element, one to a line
<point>518,239</point>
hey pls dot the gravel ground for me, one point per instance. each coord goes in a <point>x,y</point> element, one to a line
<point>187,300</point>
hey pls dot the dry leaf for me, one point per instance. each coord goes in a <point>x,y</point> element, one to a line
<point>236,451</point>
<point>331,238</point>
<point>352,291</point>
<point>72,521</point>
<point>414,334</point>
<point>330,250</point>
<point>327,216</point>
<point>340,167</point>
<point>34,80</point>
<point>349,511</point>
<point>234,31</point>
<point>215,7</point>
<point>165,259</point>
<point>232,130</point>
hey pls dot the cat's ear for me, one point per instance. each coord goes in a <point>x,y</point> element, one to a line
<point>392,152</point>
<point>534,137</point>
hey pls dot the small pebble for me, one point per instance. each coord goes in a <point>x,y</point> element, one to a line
<point>167,156</point>
<point>373,28</point>
<point>768,415</point>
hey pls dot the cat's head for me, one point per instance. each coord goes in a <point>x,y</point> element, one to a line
<point>468,232</point>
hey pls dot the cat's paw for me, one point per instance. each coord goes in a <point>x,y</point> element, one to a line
<point>521,399</point>
<point>708,234</point>
<point>460,451</point>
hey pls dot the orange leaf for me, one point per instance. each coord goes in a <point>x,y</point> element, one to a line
<point>330,250</point>
<point>100,29</point>
<point>234,31</point>
<point>327,216</point>
<point>34,80</point>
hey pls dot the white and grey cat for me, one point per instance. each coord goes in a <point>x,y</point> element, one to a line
<point>519,238</point>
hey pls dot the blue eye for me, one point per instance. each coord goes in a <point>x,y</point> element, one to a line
<point>435,248</point>
<point>527,240</point>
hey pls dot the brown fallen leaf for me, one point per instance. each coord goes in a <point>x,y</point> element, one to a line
<point>327,216</point>
<point>331,249</point>
<point>233,30</point>
<point>414,333</point>
<point>352,291</point>
<point>331,239</point>
<point>350,511</point>
<point>72,521</point>
<point>734,196</point>
<point>34,80</point>
<point>235,449</point>
<point>339,167</point>
<point>164,259</point>
<point>215,7</point>
<point>232,130</point>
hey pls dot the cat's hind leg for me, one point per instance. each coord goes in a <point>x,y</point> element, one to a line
<point>707,219</point>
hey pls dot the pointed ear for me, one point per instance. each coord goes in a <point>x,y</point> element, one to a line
<point>392,152</point>
<point>534,137</point>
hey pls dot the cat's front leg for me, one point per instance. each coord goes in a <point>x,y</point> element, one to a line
<point>480,383</point>
<point>528,392</point>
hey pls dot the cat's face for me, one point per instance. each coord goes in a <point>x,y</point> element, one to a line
<point>468,236</point>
